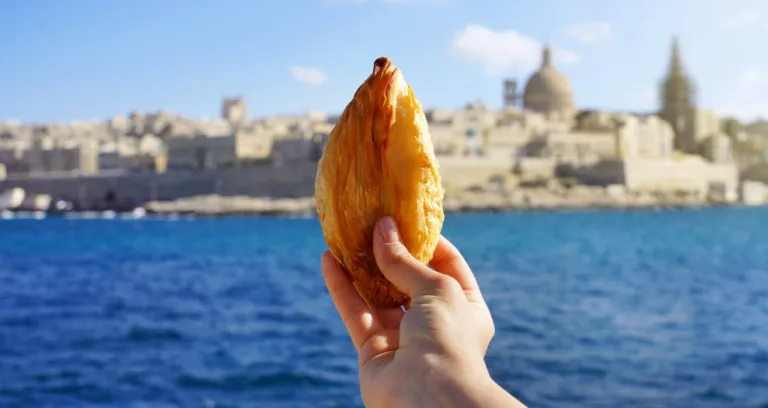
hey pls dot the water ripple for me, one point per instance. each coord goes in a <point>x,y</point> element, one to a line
<point>599,309</point>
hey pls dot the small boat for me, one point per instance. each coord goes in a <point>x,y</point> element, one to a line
<point>13,198</point>
<point>139,212</point>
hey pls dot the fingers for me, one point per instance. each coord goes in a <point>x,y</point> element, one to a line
<point>448,260</point>
<point>397,264</point>
<point>354,312</point>
<point>388,318</point>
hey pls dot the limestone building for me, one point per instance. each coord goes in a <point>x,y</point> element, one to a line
<point>234,111</point>
<point>127,153</point>
<point>718,148</point>
<point>227,150</point>
<point>691,124</point>
<point>47,155</point>
<point>548,91</point>
<point>679,148</point>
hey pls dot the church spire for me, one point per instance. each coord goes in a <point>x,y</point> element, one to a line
<point>675,65</point>
<point>678,98</point>
<point>677,87</point>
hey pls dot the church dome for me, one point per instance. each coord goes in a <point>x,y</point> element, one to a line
<point>548,90</point>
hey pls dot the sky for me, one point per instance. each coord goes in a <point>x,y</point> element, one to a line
<point>94,59</point>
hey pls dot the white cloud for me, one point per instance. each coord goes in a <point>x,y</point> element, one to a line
<point>751,76</point>
<point>742,19</point>
<point>590,32</point>
<point>500,51</point>
<point>308,75</point>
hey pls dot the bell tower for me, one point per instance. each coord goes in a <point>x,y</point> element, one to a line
<point>510,93</point>
<point>678,101</point>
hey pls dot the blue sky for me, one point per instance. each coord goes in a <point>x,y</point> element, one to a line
<point>93,59</point>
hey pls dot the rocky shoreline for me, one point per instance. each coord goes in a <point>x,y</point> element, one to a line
<point>580,198</point>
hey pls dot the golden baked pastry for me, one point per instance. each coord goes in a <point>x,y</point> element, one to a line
<point>379,160</point>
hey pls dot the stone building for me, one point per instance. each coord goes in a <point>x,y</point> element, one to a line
<point>128,153</point>
<point>234,111</point>
<point>49,156</point>
<point>118,125</point>
<point>646,136</point>
<point>135,125</point>
<point>692,125</point>
<point>547,134</point>
<point>548,91</point>
<point>159,123</point>
<point>253,144</point>
<point>546,116</point>
<point>718,148</point>
<point>678,100</point>
<point>444,129</point>
<point>754,149</point>
<point>292,150</point>
<point>227,150</point>
<point>304,141</point>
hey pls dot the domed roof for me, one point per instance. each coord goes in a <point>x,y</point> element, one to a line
<point>548,89</point>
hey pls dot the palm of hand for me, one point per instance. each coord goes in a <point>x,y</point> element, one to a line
<point>447,322</point>
<point>429,331</point>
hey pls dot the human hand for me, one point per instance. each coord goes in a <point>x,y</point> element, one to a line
<point>433,353</point>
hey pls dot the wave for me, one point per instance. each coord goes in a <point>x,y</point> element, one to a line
<point>140,334</point>
<point>249,381</point>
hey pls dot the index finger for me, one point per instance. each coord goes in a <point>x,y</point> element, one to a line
<point>354,312</point>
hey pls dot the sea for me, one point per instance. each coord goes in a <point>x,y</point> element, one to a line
<point>592,309</point>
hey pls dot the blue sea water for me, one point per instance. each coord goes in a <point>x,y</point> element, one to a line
<point>592,309</point>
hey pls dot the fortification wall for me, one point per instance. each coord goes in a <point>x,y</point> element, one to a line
<point>758,172</point>
<point>603,173</point>
<point>656,174</point>
<point>129,190</point>
<point>459,173</point>
<point>691,175</point>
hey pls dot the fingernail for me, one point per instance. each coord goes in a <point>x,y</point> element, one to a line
<point>388,229</point>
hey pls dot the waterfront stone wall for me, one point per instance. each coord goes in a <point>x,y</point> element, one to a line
<point>131,189</point>
<point>691,174</point>
<point>649,175</point>
<point>758,172</point>
<point>128,190</point>
<point>602,173</point>
<point>459,173</point>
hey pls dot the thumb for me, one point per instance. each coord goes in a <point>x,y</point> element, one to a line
<point>396,262</point>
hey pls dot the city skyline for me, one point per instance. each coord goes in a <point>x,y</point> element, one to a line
<point>313,56</point>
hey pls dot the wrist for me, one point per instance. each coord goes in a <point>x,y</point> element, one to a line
<point>461,388</point>
<point>451,386</point>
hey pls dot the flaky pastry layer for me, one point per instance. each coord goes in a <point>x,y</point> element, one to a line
<point>379,160</point>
